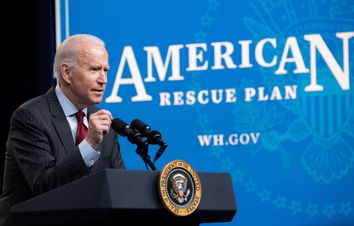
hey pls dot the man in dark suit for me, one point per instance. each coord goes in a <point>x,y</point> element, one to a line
<point>41,150</point>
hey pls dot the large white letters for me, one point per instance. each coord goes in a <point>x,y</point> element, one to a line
<point>227,55</point>
<point>135,79</point>
<point>342,76</point>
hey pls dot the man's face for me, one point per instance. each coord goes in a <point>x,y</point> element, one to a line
<point>89,75</point>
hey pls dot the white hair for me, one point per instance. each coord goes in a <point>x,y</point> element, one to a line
<point>69,49</point>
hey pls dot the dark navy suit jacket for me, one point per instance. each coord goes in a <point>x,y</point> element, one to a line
<point>41,154</point>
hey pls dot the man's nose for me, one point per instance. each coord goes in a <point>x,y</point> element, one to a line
<point>103,77</point>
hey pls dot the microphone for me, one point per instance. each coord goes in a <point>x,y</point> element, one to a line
<point>122,128</point>
<point>153,137</point>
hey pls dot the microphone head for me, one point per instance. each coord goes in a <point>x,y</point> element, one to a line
<point>155,137</point>
<point>141,126</point>
<point>120,126</point>
<point>123,129</point>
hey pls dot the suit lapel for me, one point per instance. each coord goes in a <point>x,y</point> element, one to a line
<point>60,122</point>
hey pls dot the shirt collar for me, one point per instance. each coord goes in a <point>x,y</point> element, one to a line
<point>68,107</point>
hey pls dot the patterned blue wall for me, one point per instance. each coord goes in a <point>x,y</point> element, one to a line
<point>260,89</point>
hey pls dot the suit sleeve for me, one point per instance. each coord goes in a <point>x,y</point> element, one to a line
<point>117,160</point>
<point>31,147</point>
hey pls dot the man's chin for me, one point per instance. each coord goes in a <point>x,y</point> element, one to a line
<point>96,100</point>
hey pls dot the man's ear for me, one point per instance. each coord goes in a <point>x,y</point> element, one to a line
<point>66,73</point>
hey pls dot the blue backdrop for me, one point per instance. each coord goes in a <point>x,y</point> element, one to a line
<point>260,89</point>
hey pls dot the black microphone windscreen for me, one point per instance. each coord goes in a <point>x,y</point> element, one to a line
<point>140,125</point>
<point>119,126</point>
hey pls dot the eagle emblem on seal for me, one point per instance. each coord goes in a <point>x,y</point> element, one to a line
<point>179,188</point>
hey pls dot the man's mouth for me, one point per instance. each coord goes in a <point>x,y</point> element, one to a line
<point>99,91</point>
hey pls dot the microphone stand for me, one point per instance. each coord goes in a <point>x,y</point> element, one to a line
<point>142,150</point>
<point>159,152</point>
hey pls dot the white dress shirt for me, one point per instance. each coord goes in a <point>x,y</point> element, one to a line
<point>89,154</point>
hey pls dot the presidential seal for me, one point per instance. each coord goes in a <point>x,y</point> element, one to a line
<point>179,188</point>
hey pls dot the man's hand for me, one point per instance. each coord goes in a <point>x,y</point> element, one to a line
<point>99,125</point>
